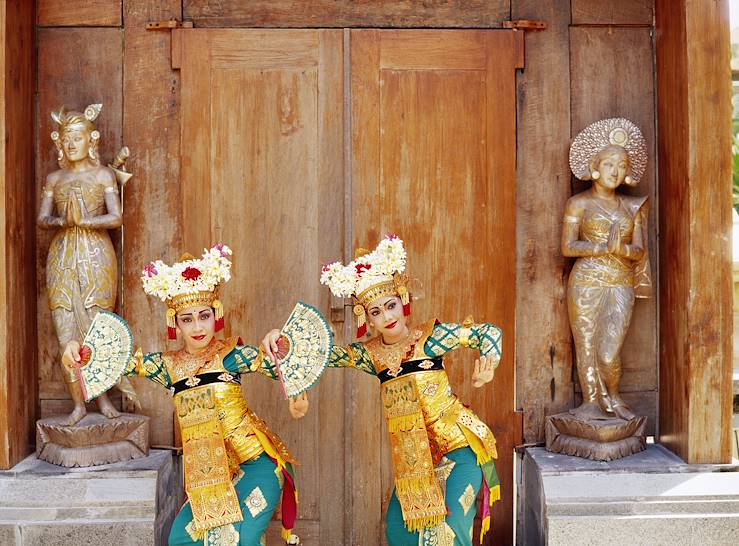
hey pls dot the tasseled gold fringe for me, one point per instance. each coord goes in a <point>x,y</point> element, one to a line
<point>286,534</point>
<point>479,449</point>
<point>484,528</point>
<point>421,486</point>
<point>485,524</point>
<point>494,494</point>
<point>428,522</point>
<point>415,484</point>
<point>406,423</point>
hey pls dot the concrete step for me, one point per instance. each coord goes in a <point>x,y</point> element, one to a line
<point>650,498</point>
<point>129,503</point>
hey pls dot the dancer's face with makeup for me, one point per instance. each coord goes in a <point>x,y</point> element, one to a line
<point>197,326</point>
<point>385,316</point>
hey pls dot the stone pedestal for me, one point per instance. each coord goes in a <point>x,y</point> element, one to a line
<point>95,440</point>
<point>649,499</point>
<point>597,439</point>
<point>131,503</point>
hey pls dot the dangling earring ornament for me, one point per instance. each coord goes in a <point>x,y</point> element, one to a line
<point>361,320</point>
<point>595,175</point>
<point>218,310</point>
<point>629,181</point>
<point>171,327</point>
<point>92,150</point>
<point>405,299</point>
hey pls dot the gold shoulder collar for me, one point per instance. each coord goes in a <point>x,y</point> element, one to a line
<point>427,328</point>
<point>410,348</point>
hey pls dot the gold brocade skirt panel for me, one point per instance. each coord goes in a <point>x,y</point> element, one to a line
<point>449,424</point>
<point>239,424</point>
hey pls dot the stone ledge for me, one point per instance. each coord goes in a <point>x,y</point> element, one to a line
<point>650,498</point>
<point>127,503</point>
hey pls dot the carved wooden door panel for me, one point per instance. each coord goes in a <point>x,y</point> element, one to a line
<point>262,170</point>
<point>431,157</point>
<point>433,116</point>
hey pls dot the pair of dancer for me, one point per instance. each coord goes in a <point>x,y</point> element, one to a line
<point>237,470</point>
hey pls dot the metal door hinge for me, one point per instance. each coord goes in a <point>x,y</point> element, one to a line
<point>525,24</point>
<point>168,25</point>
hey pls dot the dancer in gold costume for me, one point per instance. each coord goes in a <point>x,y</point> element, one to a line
<point>443,454</point>
<point>237,471</point>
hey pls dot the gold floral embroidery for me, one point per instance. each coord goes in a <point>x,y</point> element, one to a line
<point>467,499</point>
<point>431,389</point>
<point>194,535</point>
<point>441,535</point>
<point>255,502</point>
<point>225,535</point>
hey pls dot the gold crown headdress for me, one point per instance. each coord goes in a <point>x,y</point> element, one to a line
<point>609,132</point>
<point>189,282</point>
<point>71,119</point>
<point>370,276</point>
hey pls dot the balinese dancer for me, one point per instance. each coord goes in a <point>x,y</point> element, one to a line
<point>442,452</point>
<point>236,469</point>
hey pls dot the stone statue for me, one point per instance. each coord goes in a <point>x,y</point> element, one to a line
<point>81,201</point>
<point>607,232</point>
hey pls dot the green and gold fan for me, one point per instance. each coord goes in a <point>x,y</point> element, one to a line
<point>105,352</point>
<point>304,349</point>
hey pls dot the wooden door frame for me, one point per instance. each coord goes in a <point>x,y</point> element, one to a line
<point>18,371</point>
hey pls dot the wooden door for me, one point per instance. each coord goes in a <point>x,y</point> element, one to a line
<point>432,157</point>
<point>433,117</point>
<point>262,170</point>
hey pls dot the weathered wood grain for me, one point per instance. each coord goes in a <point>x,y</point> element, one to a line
<point>78,13</point>
<point>347,13</point>
<point>543,343</point>
<point>695,219</point>
<point>18,373</point>
<point>152,213</point>
<point>607,12</point>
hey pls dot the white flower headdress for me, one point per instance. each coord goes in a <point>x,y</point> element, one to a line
<point>189,282</point>
<point>369,276</point>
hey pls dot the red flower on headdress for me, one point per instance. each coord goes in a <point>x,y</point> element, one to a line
<point>361,268</point>
<point>191,273</point>
<point>392,236</point>
<point>150,269</point>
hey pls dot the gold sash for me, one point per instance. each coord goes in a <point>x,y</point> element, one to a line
<point>208,484</point>
<point>416,485</point>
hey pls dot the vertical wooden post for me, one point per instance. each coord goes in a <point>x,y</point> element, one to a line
<point>694,142</point>
<point>17,237</point>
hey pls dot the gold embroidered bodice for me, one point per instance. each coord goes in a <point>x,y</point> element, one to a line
<point>443,412</point>
<point>240,425</point>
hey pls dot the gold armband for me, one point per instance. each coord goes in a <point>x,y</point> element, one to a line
<point>465,331</point>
